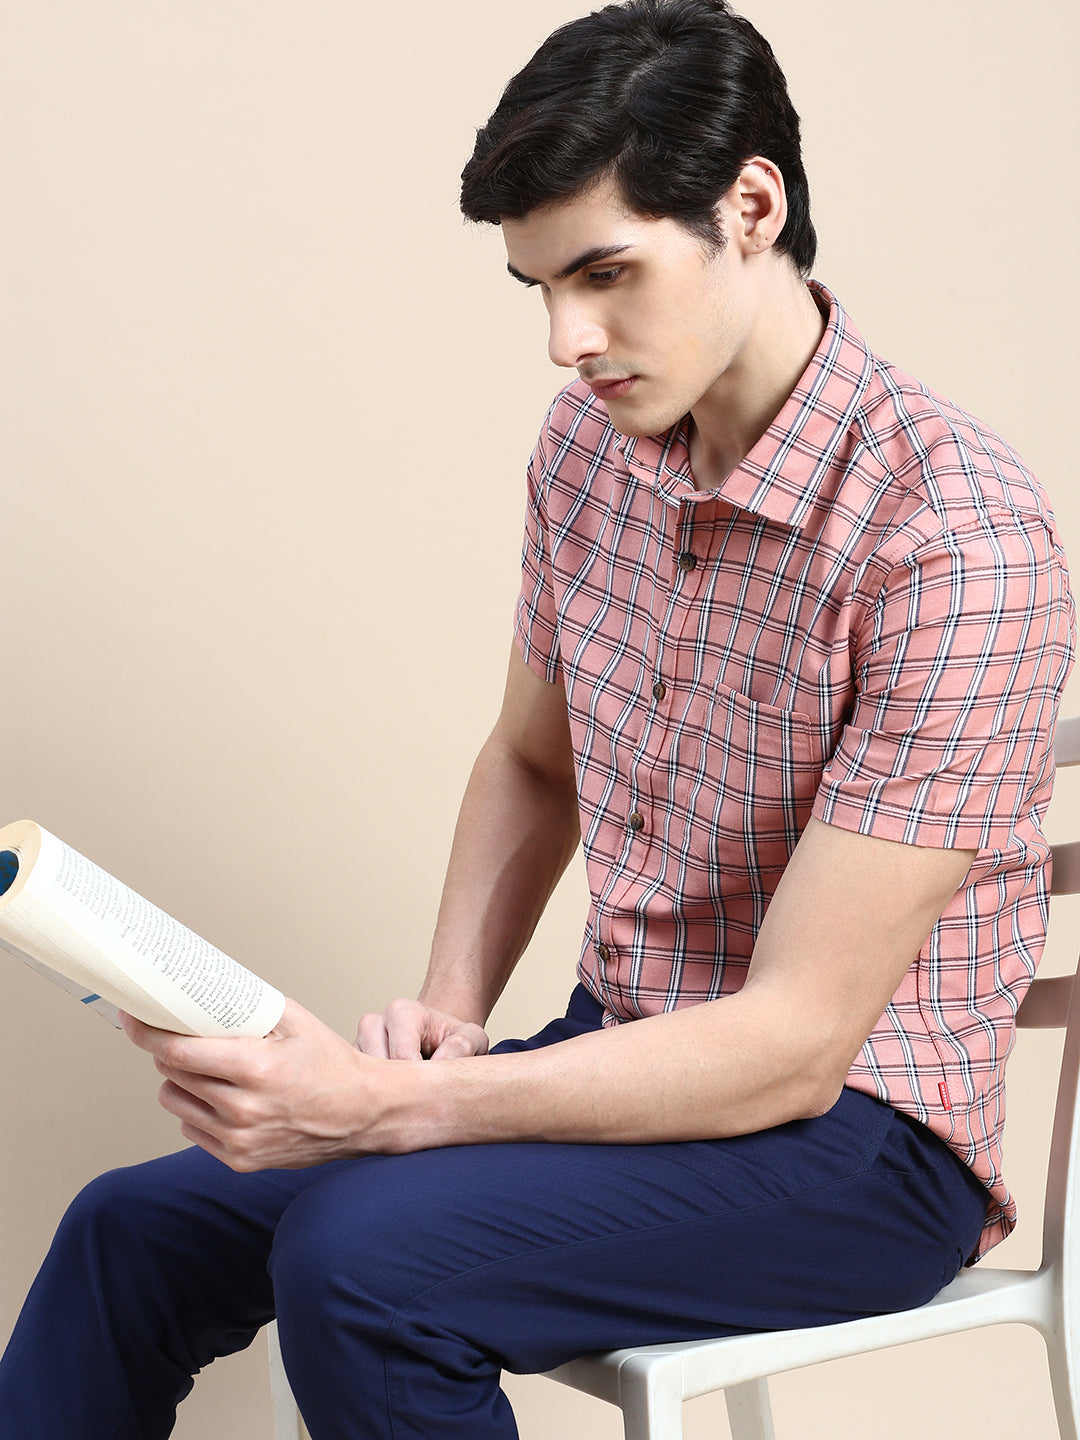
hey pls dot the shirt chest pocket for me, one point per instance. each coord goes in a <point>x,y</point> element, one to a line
<point>756,774</point>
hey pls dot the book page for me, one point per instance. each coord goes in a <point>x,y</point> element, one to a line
<point>224,989</point>
<point>67,917</point>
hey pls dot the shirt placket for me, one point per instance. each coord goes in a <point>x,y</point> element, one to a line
<point>684,560</point>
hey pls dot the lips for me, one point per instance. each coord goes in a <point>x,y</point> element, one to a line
<point>611,389</point>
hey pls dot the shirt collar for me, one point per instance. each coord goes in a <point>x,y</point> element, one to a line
<point>783,474</point>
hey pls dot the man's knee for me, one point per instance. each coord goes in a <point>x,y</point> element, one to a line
<point>183,1214</point>
<point>361,1242</point>
<point>107,1209</point>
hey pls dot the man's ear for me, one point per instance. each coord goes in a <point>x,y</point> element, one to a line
<point>756,206</point>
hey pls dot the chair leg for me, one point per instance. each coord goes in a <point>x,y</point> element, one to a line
<point>650,1397</point>
<point>287,1422</point>
<point>749,1411</point>
<point>1065,1379</point>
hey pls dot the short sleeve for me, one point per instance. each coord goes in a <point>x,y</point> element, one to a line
<point>536,624</point>
<point>959,668</point>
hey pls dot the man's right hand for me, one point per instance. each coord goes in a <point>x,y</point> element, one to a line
<point>410,1030</point>
<point>518,827</point>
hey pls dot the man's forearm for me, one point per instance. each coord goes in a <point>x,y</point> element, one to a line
<point>716,1069</point>
<point>516,832</point>
<point>847,920</point>
<point>846,923</point>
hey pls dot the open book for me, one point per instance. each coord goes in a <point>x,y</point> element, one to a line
<point>75,924</point>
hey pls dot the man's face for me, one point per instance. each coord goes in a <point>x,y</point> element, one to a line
<point>649,316</point>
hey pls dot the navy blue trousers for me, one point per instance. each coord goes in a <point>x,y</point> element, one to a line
<point>403,1285</point>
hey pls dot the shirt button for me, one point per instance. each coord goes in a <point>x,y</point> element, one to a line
<point>603,951</point>
<point>637,821</point>
<point>687,560</point>
<point>659,690</point>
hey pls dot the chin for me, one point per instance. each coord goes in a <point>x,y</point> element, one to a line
<point>627,422</point>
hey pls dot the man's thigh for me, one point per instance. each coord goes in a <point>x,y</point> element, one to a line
<point>531,1253</point>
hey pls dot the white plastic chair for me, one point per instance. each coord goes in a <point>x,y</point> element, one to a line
<point>650,1383</point>
<point>287,1422</point>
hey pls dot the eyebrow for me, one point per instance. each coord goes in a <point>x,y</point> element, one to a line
<point>587,257</point>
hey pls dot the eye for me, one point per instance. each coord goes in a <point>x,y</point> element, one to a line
<point>605,277</point>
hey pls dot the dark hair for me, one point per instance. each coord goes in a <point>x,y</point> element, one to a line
<point>668,97</point>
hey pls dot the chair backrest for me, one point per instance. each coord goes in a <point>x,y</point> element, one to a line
<point>1055,1002</point>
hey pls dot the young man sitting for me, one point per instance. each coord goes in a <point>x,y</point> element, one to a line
<point>790,642</point>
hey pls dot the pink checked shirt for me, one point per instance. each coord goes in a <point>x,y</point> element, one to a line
<point>869,621</point>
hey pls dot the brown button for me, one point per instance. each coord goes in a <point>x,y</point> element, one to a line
<point>637,821</point>
<point>659,690</point>
<point>687,560</point>
<point>603,951</point>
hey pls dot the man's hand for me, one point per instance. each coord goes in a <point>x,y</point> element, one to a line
<point>411,1030</point>
<point>299,1097</point>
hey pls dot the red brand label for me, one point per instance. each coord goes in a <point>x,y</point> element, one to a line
<point>943,1091</point>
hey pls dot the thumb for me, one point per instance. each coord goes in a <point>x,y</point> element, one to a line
<point>467,1040</point>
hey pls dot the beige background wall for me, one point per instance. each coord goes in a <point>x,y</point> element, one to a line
<point>260,556</point>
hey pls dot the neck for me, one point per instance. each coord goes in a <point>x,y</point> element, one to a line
<point>734,413</point>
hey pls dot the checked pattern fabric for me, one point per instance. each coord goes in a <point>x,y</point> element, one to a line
<point>869,622</point>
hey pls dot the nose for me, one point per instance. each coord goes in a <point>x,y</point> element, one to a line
<point>574,336</point>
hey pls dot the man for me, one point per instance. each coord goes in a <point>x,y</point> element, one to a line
<point>788,652</point>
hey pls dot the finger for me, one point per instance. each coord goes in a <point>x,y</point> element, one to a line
<point>207,1142</point>
<point>411,1030</point>
<point>404,1038</point>
<point>213,1055</point>
<point>235,1145</point>
<point>138,1032</point>
<point>295,1020</point>
<point>214,1093</point>
<point>371,1038</point>
<point>240,1160</point>
<point>186,1106</point>
<point>236,1058</point>
<point>469,1040</point>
